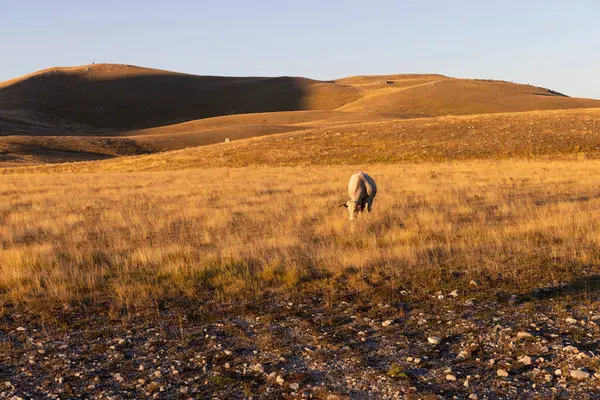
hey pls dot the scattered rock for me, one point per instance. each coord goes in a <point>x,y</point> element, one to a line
<point>524,335</point>
<point>571,349</point>
<point>454,293</point>
<point>387,322</point>
<point>294,386</point>
<point>434,339</point>
<point>259,368</point>
<point>525,360</point>
<point>464,354</point>
<point>502,372</point>
<point>579,374</point>
<point>450,377</point>
<point>570,320</point>
<point>280,381</point>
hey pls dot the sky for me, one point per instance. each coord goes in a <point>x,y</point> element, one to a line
<point>548,43</point>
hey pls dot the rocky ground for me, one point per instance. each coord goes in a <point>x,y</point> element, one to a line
<point>447,345</point>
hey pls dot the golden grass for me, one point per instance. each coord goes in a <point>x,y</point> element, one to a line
<point>570,134</point>
<point>132,240</point>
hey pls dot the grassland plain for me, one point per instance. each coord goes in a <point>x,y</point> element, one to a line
<point>131,238</point>
<point>246,282</point>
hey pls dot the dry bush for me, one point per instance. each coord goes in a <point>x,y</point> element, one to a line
<point>131,240</point>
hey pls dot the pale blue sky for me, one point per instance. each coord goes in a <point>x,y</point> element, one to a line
<point>550,43</point>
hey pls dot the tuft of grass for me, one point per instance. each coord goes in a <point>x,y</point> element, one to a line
<point>397,372</point>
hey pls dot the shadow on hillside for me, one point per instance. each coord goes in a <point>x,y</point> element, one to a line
<point>151,100</point>
<point>52,155</point>
<point>589,285</point>
<point>6,157</point>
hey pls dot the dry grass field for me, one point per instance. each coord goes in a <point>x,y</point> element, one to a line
<point>131,240</point>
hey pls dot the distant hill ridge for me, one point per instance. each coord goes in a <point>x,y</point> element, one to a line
<point>100,111</point>
<point>100,98</point>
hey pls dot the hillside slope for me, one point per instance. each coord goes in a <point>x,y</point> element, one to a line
<point>105,97</point>
<point>557,134</point>
<point>463,96</point>
<point>108,110</point>
<point>111,98</point>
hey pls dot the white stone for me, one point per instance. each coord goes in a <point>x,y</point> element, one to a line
<point>502,372</point>
<point>259,368</point>
<point>280,381</point>
<point>464,354</point>
<point>579,374</point>
<point>450,377</point>
<point>570,320</point>
<point>525,360</point>
<point>387,322</point>
<point>454,293</point>
<point>294,386</point>
<point>434,339</point>
<point>524,335</point>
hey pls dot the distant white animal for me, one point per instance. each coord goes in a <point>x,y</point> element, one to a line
<point>362,190</point>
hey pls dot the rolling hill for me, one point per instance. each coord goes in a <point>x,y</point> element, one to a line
<point>561,134</point>
<point>109,110</point>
